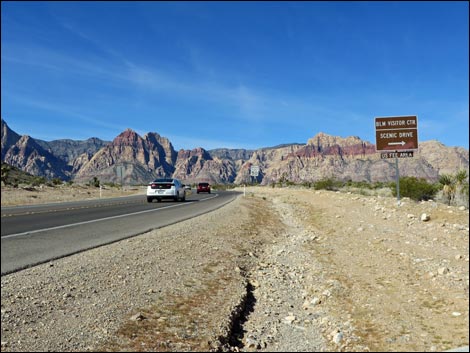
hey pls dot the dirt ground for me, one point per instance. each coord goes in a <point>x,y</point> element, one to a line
<point>327,271</point>
<point>402,283</point>
<point>30,195</point>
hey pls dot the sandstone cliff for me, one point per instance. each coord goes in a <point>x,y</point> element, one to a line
<point>133,159</point>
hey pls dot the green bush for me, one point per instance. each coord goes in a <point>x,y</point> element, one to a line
<point>94,182</point>
<point>455,187</point>
<point>416,189</point>
<point>327,184</point>
<point>38,180</point>
<point>57,181</point>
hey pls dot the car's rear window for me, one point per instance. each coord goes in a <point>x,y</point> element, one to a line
<point>203,184</point>
<point>163,180</point>
<point>162,183</point>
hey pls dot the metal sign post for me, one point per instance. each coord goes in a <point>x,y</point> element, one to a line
<point>397,181</point>
<point>120,172</point>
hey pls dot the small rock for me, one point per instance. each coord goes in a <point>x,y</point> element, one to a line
<point>442,270</point>
<point>289,319</point>
<point>315,301</point>
<point>425,217</point>
<point>337,337</point>
<point>138,317</point>
<point>251,342</point>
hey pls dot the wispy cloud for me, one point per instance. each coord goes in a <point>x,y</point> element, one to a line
<point>245,102</point>
<point>240,100</point>
<point>58,62</point>
<point>66,111</point>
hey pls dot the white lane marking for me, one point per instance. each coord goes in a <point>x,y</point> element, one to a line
<point>101,219</point>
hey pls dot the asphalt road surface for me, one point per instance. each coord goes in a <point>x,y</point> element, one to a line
<point>36,234</point>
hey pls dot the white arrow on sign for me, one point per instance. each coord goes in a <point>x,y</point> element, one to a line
<point>397,143</point>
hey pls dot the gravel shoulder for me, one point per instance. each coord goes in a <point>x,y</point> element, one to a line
<point>276,270</point>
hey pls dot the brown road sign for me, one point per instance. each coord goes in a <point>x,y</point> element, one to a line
<point>396,133</point>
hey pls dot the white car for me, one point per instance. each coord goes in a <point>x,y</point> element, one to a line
<point>166,188</point>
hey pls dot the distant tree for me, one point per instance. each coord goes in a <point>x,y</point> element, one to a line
<point>461,177</point>
<point>448,183</point>
<point>461,180</point>
<point>94,182</point>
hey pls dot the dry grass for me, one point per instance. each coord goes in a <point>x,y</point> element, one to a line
<point>175,323</point>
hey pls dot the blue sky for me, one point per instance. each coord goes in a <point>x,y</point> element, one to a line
<point>234,74</point>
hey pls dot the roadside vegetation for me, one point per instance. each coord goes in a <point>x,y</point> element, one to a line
<point>13,176</point>
<point>455,188</point>
<point>451,189</point>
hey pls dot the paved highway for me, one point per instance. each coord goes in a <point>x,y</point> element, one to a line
<point>36,234</point>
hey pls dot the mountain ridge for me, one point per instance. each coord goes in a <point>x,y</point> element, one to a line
<point>144,158</point>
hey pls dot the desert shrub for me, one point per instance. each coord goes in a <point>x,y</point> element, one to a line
<point>224,186</point>
<point>448,187</point>
<point>38,181</point>
<point>94,182</point>
<point>416,189</point>
<point>57,181</point>
<point>5,173</point>
<point>358,184</point>
<point>455,188</point>
<point>327,184</point>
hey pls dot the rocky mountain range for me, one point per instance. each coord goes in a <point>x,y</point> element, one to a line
<point>133,159</point>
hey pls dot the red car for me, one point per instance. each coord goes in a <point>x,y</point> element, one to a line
<point>203,187</point>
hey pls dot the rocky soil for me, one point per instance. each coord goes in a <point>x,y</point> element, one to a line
<point>30,195</point>
<point>275,270</point>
